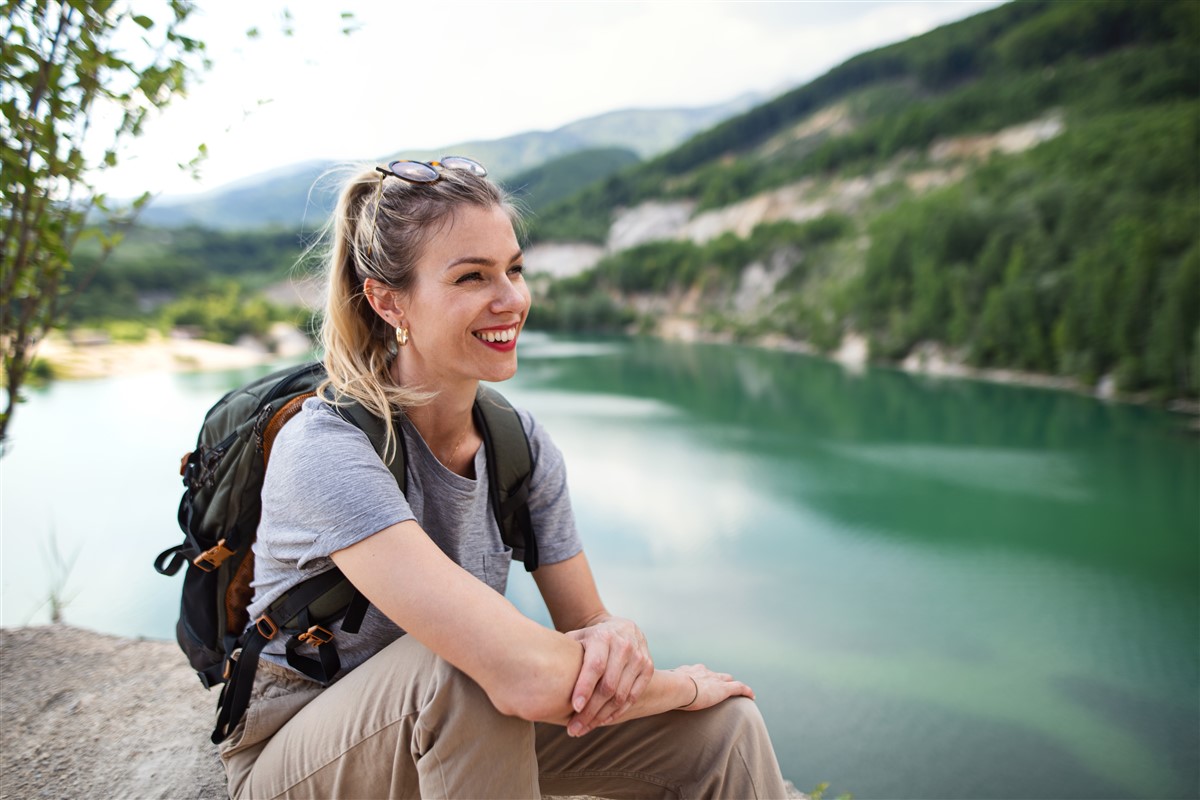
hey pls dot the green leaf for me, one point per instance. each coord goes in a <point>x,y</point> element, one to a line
<point>144,21</point>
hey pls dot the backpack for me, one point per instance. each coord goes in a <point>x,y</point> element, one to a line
<point>219,514</point>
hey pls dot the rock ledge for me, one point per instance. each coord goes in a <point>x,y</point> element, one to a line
<point>91,715</point>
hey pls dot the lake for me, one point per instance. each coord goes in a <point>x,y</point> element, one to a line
<point>938,589</point>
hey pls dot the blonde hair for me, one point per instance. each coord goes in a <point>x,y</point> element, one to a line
<point>379,230</point>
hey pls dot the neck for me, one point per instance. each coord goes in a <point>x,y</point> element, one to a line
<point>446,415</point>
<point>446,423</point>
<point>447,426</point>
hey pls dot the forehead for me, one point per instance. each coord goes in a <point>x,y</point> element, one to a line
<point>475,233</point>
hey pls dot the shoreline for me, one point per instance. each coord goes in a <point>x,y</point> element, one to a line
<point>90,360</point>
<point>932,361</point>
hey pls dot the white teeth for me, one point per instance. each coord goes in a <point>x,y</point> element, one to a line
<point>498,336</point>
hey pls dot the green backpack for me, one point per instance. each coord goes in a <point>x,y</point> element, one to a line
<point>219,514</point>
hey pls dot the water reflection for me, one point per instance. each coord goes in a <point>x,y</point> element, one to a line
<point>980,557</point>
<point>1008,467</point>
<point>938,589</point>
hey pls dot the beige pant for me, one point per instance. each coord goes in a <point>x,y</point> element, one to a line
<point>407,724</point>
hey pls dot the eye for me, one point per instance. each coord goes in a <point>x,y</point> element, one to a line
<point>516,269</point>
<point>469,278</point>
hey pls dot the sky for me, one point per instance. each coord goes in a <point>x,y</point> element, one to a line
<point>420,74</point>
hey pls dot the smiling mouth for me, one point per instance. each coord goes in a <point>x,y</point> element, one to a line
<point>498,337</point>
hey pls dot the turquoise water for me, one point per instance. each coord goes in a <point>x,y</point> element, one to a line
<point>938,589</point>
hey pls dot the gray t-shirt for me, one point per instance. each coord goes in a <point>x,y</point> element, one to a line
<point>326,489</point>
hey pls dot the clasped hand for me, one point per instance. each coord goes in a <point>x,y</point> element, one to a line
<point>616,668</point>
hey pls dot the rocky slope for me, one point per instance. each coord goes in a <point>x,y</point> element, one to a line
<point>88,715</point>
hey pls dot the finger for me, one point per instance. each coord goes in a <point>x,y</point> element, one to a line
<point>625,682</point>
<point>638,669</point>
<point>595,658</point>
<point>644,651</point>
<point>601,701</point>
<point>602,694</point>
<point>621,701</point>
<point>617,716</point>
<point>738,689</point>
<point>583,723</point>
<point>639,684</point>
<point>611,685</point>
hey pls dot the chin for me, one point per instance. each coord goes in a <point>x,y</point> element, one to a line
<point>504,372</point>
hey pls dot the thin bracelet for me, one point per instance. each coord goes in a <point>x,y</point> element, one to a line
<point>694,699</point>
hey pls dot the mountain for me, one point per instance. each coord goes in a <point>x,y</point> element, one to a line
<point>1018,190</point>
<point>304,194</point>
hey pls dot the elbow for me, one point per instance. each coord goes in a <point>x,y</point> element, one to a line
<point>533,703</point>
<point>540,692</point>
<point>533,680</point>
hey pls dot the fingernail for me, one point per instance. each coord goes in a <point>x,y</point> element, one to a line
<point>574,728</point>
<point>578,703</point>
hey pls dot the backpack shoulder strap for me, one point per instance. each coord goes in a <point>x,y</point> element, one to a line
<point>376,431</point>
<point>510,465</point>
<point>280,418</point>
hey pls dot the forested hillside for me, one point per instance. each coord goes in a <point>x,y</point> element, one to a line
<point>208,280</point>
<point>1018,190</point>
<point>561,178</point>
<point>902,209</point>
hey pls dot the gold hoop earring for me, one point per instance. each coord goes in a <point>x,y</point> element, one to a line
<point>401,336</point>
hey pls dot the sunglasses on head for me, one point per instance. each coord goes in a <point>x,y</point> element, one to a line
<point>420,172</point>
<point>430,172</point>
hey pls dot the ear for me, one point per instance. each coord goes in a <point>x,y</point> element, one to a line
<point>388,302</point>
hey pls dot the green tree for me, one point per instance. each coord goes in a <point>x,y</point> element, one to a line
<point>78,80</point>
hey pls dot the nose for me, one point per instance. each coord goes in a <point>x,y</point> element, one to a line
<point>511,295</point>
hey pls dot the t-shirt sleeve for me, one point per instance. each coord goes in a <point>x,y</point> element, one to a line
<point>325,489</point>
<point>549,500</point>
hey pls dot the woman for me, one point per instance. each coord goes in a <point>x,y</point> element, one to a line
<point>448,690</point>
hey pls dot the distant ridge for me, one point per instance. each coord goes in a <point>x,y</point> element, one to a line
<point>294,196</point>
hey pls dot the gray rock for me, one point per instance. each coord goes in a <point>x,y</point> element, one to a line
<point>88,715</point>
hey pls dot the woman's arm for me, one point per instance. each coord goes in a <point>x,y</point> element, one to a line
<point>526,669</point>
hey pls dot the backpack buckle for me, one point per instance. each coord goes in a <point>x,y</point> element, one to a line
<point>266,626</point>
<point>316,636</point>
<point>213,557</point>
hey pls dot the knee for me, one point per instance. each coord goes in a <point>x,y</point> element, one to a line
<point>739,712</point>
<point>738,722</point>
<point>740,753</point>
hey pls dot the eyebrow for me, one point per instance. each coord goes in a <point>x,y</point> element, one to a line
<point>482,260</point>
